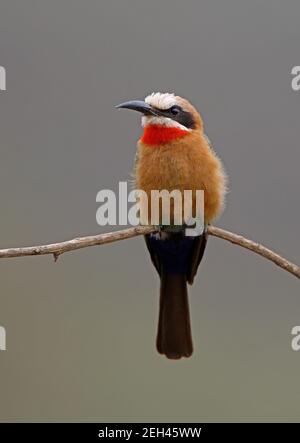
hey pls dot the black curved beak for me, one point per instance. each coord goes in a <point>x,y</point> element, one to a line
<point>140,106</point>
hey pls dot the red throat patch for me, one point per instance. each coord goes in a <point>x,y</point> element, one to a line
<point>157,134</point>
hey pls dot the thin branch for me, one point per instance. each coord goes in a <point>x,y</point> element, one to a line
<point>257,248</point>
<point>56,249</point>
<point>76,243</point>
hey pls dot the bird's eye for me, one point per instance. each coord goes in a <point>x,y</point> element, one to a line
<point>175,110</point>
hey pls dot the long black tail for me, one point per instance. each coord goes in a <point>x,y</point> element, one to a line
<point>174,337</point>
<point>176,259</point>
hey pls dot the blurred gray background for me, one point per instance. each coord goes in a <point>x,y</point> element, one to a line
<point>81,333</point>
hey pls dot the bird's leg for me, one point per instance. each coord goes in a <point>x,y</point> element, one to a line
<point>160,230</point>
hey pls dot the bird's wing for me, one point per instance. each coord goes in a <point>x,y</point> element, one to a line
<point>196,256</point>
<point>154,257</point>
<point>199,244</point>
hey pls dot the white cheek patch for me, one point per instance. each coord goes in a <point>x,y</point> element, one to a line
<point>161,100</point>
<point>162,121</point>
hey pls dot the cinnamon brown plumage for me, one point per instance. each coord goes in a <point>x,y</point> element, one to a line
<point>175,154</point>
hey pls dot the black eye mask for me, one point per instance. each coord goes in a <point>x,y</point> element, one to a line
<point>179,115</point>
<point>176,112</point>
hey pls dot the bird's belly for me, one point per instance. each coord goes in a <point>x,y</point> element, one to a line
<point>168,173</point>
<point>194,169</point>
<point>171,174</point>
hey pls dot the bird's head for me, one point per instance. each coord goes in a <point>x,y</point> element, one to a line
<point>166,117</point>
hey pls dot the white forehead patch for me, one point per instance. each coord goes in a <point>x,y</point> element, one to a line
<point>161,100</point>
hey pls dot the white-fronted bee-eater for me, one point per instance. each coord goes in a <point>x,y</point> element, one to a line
<point>175,154</point>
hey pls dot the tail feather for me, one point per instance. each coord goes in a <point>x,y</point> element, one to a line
<point>174,338</point>
<point>176,258</point>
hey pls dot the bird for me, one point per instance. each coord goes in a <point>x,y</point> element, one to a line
<point>174,153</point>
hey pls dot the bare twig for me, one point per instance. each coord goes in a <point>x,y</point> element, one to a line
<point>76,243</point>
<point>257,248</point>
<point>56,249</point>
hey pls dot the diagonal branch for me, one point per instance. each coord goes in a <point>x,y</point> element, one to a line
<point>257,248</point>
<point>95,240</point>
